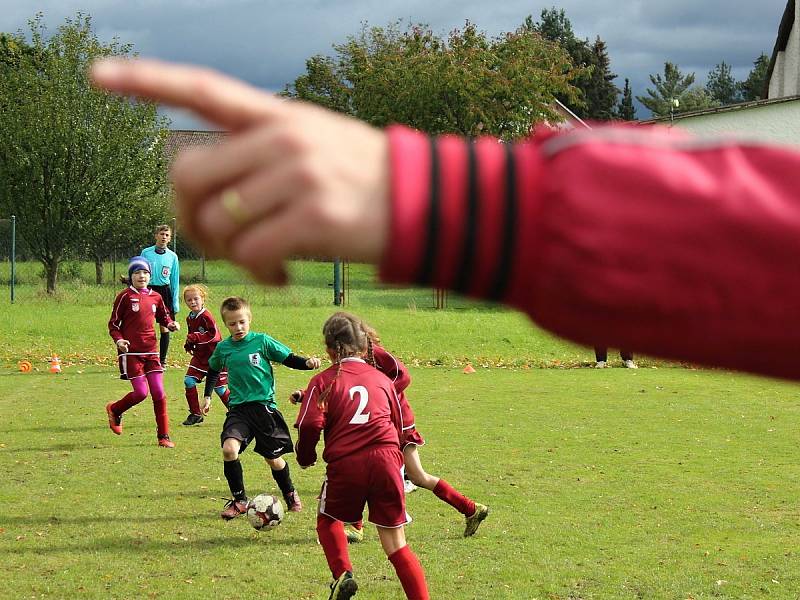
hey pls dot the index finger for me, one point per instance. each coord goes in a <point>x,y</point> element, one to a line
<point>222,100</point>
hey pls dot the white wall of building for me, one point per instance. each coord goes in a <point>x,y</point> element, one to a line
<point>785,80</point>
<point>777,123</point>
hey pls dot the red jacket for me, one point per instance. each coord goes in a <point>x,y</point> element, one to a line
<point>633,238</point>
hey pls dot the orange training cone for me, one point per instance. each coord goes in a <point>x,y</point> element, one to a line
<point>25,366</point>
<point>468,369</point>
<point>55,364</point>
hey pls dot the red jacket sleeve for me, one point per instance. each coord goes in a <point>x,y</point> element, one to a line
<point>634,238</point>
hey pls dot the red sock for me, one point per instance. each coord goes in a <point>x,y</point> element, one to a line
<point>192,401</point>
<point>359,524</point>
<point>454,498</point>
<point>334,543</point>
<point>409,571</point>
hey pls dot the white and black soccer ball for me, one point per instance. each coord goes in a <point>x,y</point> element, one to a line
<point>265,511</point>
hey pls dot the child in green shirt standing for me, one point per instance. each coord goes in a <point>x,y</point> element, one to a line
<point>253,413</point>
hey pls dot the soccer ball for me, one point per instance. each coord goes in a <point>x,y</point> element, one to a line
<point>264,511</point>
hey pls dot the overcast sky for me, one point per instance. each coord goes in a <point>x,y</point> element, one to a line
<point>267,42</point>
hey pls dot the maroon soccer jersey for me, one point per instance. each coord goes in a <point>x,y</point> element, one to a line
<point>397,372</point>
<point>203,337</point>
<point>363,411</point>
<point>391,366</point>
<point>133,316</point>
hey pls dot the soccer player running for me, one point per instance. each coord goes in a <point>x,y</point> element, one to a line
<point>410,439</point>
<point>202,337</point>
<point>357,407</point>
<point>252,411</point>
<point>131,327</point>
<point>165,279</point>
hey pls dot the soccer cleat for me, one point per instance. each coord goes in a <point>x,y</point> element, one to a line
<point>233,509</point>
<point>629,364</point>
<point>481,512</point>
<point>293,501</point>
<point>353,533</point>
<point>408,486</point>
<point>165,442</point>
<point>193,419</point>
<point>114,420</point>
<point>343,588</point>
<point>601,364</point>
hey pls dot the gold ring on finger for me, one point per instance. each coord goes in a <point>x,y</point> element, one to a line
<point>233,205</point>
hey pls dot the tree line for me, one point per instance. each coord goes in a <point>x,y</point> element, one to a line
<point>85,171</point>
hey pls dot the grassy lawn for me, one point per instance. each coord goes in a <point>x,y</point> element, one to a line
<point>665,482</point>
<point>657,483</point>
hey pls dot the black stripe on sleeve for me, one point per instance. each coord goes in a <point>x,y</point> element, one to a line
<point>508,235</point>
<point>429,257</point>
<point>468,250</point>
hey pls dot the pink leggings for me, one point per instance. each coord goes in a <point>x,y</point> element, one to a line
<point>154,383</point>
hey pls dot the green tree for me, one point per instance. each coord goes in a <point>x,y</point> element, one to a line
<point>674,93</point>
<point>593,76</point>
<point>76,163</point>
<point>752,88</point>
<point>721,85</point>
<point>467,83</point>
<point>626,110</point>
<point>601,95</point>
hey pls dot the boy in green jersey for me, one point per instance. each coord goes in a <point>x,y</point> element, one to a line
<point>253,413</point>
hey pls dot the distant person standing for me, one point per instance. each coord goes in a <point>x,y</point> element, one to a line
<point>165,280</point>
<point>601,358</point>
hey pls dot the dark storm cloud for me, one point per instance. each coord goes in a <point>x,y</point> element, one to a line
<point>266,42</point>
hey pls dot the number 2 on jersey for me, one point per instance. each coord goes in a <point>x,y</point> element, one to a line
<point>360,417</point>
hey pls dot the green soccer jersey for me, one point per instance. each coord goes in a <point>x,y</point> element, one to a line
<point>250,377</point>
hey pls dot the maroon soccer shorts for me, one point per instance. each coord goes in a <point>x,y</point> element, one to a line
<point>138,364</point>
<point>372,477</point>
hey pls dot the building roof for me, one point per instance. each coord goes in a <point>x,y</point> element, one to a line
<point>720,109</point>
<point>784,29</point>
<point>179,139</point>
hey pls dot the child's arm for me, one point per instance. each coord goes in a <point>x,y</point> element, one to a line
<point>310,423</point>
<point>392,367</point>
<point>301,363</point>
<point>115,324</point>
<point>212,376</point>
<point>164,318</point>
<point>175,283</point>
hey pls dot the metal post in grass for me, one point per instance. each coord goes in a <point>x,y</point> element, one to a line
<point>337,282</point>
<point>174,235</point>
<point>203,267</point>
<point>13,255</point>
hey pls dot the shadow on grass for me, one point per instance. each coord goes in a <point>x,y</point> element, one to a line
<point>78,447</point>
<point>51,429</point>
<point>139,546</point>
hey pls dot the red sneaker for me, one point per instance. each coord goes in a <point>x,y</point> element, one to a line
<point>293,501</point>
<point>165,442</point>
<point>233,509</point>
<point>114,421</point>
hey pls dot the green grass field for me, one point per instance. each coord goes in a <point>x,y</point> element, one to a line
<point>664,482</point>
